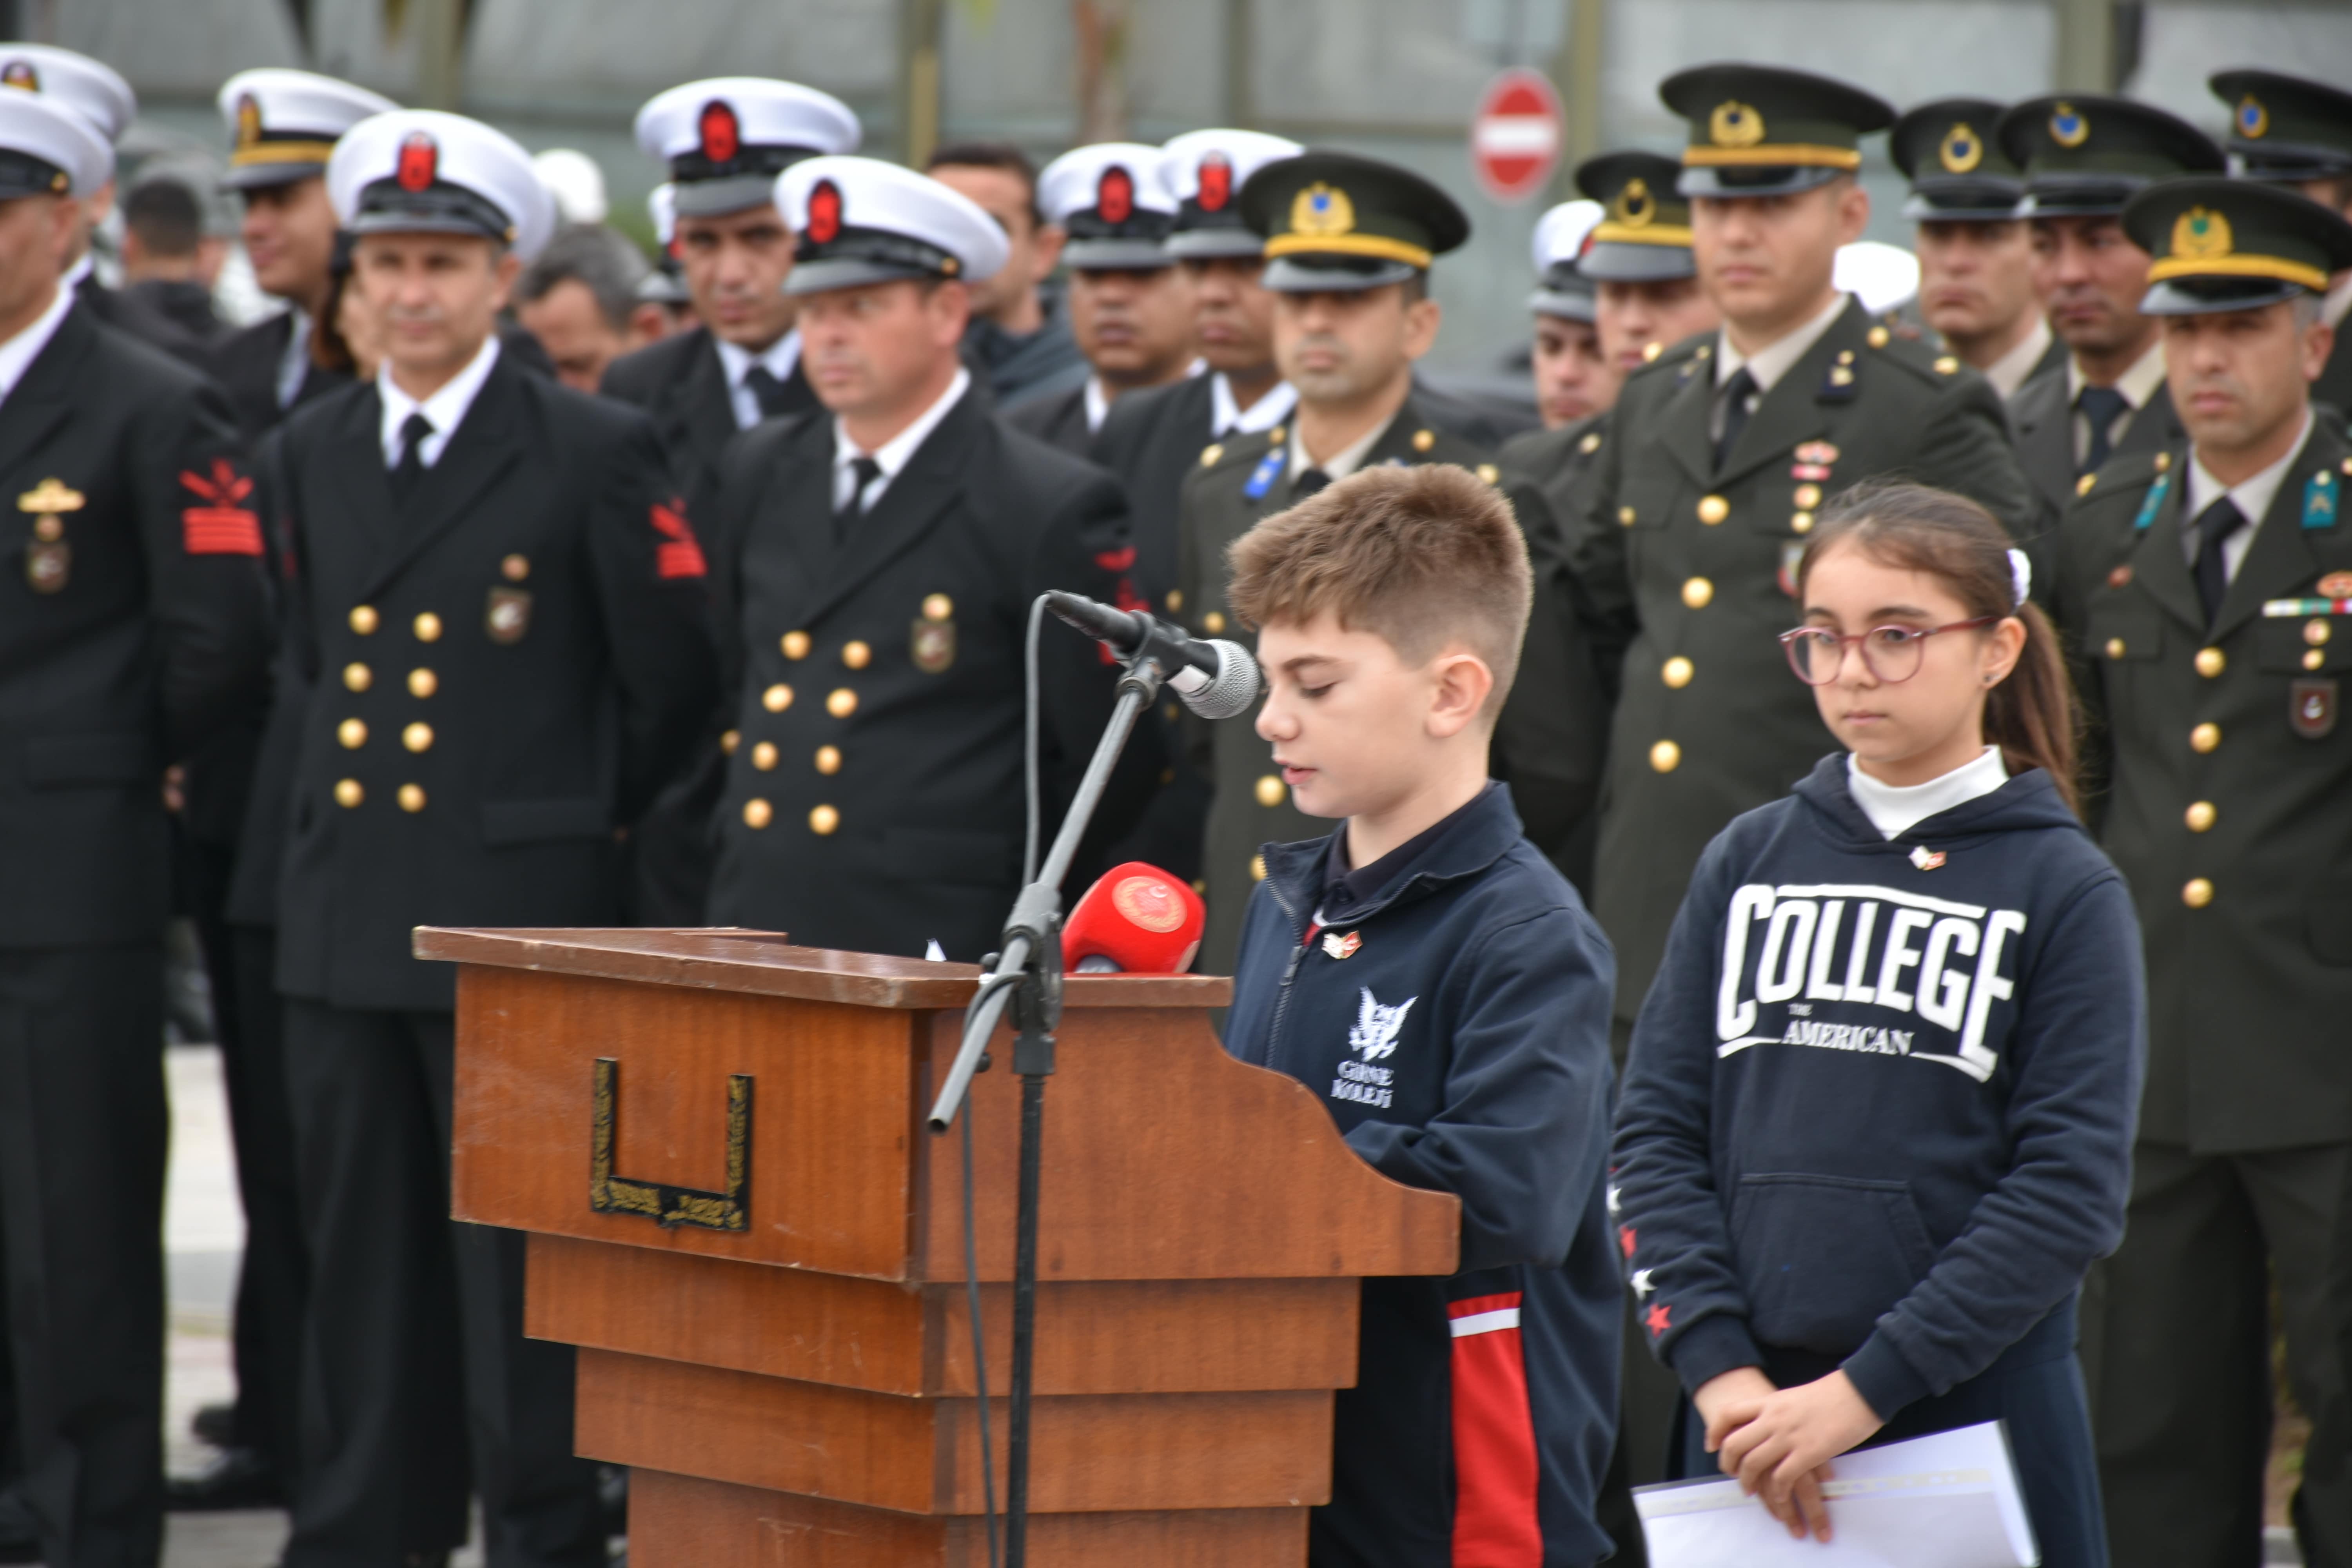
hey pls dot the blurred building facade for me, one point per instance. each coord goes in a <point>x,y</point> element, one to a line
<point>1399,78</point>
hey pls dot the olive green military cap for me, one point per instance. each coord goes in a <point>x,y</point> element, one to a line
<point>1336,220</point>
<point>1958,173</point>
<point>1645,231</point>
<point>2085,155</point>
<point>2234,245</point>
<point>1769,131</point>
<point>2285,128</point>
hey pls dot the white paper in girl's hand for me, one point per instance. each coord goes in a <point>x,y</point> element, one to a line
<point>1946,1501</point>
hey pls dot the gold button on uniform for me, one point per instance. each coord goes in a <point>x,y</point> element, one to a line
<point>841,703</point>
<point>2083,486</point>
<point>352,734</point>
<point>763,755</point>
<point>422,683</point>
<point>777,697</point>
<point>1665,756</point>
<point>358,677</point>
<point>1274,438</point>
<point>758,812</point>
<point>2115,648</point>
<point>938,606</point>
<point>1698,592</point>
<point>1213,622</point>
<point>1678,672</point>
<point>1422,440</point>
<point>856,655</point>
<point>730,740</point>
<point>1625,516</point>
<point>2163,461</point>
<point>2205,737</point>
<point>427,627</point>
<point>795,645</point>
<point>822,819</point>
<point>1800,521</point>
<point>2201,817</point>
<point>2315,633</point>
<point>1809,495</point>
<point>2210,661</point>
<point>1270,791</point>
<point>417,737</point>
<point>2198,893</point>
<point>364,619</point>
<point>1175,602</point>
<point>1946,365</point>
<point>2313,658</point>
<point>515,568</point>
<point>1210,454</point>
<point>1713,509</point>
<point>1878,337</point>
<point>348,793</point>
<point>828,760</point>
<point>412,797</point>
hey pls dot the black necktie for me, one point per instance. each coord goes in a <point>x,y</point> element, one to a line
<point>862,472</point>
<point>2215,524</point>
<point>767,392</point>
<point>410,467</point>
<point>1312,482</point>
<point>2102,406</point>
<point>1735,393</point>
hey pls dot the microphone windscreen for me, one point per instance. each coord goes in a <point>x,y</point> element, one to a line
<point>1142,920</point>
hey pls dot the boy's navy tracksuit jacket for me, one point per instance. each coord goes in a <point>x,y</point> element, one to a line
<point>1455,1021</point>
<point>1840,1136</point>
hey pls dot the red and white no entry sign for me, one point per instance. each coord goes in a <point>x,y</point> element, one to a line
<point>1514,138</point>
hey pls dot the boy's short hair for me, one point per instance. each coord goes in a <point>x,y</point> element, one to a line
<point>1420,556</point>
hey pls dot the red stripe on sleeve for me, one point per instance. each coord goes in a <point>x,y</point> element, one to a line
<point>220,531</point>
<point>1495,1520</point>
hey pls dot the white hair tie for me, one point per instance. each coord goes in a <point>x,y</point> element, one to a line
<point>2020,576</point>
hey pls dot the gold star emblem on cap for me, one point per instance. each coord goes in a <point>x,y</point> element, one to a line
<point>1734,124</point>
<point>1962,150</point>
<point>1322,210</point>
<point>1634,207</point>
<point>2201,234</point>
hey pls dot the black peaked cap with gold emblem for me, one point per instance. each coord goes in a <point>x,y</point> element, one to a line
<point>2285,128</point>
<point>2085,155</point>
<point>2234,245</point>
<point>1339,221</point>
<point>1958,174</point>
<point>1644,234</point>
<point>1769,131</point>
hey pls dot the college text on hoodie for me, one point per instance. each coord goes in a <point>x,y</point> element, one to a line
<point>1456,1024</point>
<point>1880,1102</point>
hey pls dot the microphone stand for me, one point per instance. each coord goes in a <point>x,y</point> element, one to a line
<point>1026,976</point>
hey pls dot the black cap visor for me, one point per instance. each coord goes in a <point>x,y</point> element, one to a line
<point>1131,253</point>
<point>389,207</point>
<point>1315,272</point>
<point>1567,306</point>
<point>726,194</point>
<point>1612,262</point>
<point>1731,183</point>
<point>1219,242</point>
<point>2063,194</point>
<point>2215,296</point>
<point>855,258</point>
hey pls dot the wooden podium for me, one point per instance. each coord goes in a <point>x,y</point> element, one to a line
<point>717,1142</point>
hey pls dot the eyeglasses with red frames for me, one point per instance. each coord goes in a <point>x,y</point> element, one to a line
<point>1891,653</point>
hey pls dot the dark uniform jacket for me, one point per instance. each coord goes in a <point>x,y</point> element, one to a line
<point>493,678</point>
<point>874,797</point>
<point>1057,418</point>
<point>681,384</point>
<point>246,362</point>
<point>134,623</point>
<point>2044,423</point>
<point>1699,566</point>
<point>1547,739</point>
<point>2226,770</point>
<point>126,312</point>
<point>1149,442</point>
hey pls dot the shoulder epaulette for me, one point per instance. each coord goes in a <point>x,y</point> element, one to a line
<point>1241,448</point>
<point>1921,358</point>
<point>2126,474</point>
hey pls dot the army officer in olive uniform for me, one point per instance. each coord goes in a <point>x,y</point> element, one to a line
<point>498,627</point>
<point>2206,587</point>
<point>134,625</point>
<point>2286,130</point>
<point>1724,446</point>
<point>1350,241</point>
<point>876,566</point>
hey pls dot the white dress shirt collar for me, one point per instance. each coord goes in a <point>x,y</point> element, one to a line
<point>780,358</point>
<point>2253,497</point>
<point>79,270</point>
<point>1768,364</point>
<point>18,355</point>
<point>1344,462</point>
<point>2137,385</point>
<point>1227,416</point>
<point>2008,372</point>
<point>294,365</point>
<point>1893,809</point>
<point>894,455</point>
<point>1097,404</point>
<point>445,410</point>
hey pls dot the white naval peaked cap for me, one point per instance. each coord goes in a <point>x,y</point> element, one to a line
<point>861,220</point>
<point>1881,276</point>
<point>422,171</point>
<point>91,89</point>
<point>1204,171</point>
<point>1114,202</point>
<point>726,138</point>
<point>1561,288</point>
<point>46,149</point>
<point>576,182</point>
<point>283,124</point>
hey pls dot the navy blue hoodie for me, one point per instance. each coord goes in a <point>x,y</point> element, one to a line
<point>1456,1022</point>
<point>1880,1101</point>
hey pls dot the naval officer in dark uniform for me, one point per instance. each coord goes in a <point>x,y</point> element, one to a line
<point>876,565</point>
<point>2285,131</point>
<point>2084,158</point>
<point>2204,587</point>
<point>1348,244</point>
<point>499,631</point>
<point>1976,256</point>
<point>1723,448</point>
<point>134,624</point>
<point>1576,382</point>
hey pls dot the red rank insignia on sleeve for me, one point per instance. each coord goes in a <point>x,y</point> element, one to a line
<point>221,526</point>
<point>678,554</point>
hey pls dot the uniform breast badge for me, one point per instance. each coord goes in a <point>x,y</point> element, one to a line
<point>49,558</point>
<point>932,639</point>
<point>508,616</point>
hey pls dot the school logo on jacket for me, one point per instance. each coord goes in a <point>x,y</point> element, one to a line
<point>1372,1036</point>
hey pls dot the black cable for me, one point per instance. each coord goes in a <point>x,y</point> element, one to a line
<point>979,1345</point>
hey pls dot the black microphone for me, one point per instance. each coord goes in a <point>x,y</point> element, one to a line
<point>1217,678</point>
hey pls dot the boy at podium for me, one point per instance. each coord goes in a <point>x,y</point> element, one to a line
<point>1428,972</point>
